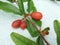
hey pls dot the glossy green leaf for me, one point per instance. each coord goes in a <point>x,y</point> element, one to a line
<point>46,29</point>
<point>21,6</point>
<point>40,41</point>
<point>9,8</point>
<point>57,30</point>
<point>31,7</point>
<point>33,32</point>
<point>21,40</point>
<point>37,22</point>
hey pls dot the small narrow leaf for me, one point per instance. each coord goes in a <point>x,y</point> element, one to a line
<point>21,40</point>
<point>9,8</point>
<point>31,29</point>
<point>40,41</point>
<point>21,6</point>
<point>31,7</point>
<point>46,29</point>
<point>52,0</point>
<point>57,30</point>
<point>39,23</point>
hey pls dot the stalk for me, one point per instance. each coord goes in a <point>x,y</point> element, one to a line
<point>39,31</point>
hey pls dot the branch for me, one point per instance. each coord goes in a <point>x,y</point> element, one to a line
<point>39,31</point>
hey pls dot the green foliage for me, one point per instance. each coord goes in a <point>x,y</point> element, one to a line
<point>31,29</point>
<point>21,6</point>
<point>46,29</point>
<point>37,22</point>
<point>9,8</point>
<point>57,30</point>
<point>21,40</point>
<point>40,41</point>
<point>31,7</point>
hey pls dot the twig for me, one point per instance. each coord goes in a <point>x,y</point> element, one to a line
<point>38,31</point>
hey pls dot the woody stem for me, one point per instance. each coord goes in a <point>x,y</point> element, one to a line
<point>39,31</point>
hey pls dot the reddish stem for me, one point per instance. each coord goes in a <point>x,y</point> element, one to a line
<point>38,31</point>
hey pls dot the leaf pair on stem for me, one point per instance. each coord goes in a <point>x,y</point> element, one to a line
<point>31,27</point>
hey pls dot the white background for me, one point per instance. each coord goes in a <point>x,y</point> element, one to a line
<point>50,11</point>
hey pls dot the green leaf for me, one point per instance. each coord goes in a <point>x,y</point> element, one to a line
<point>57,30</point>
<point>55,0</point>
<point>39,23</point>
<point>31,7</point>
<point>46,29</point>
<point>11,1</point>
<point>40,41</point>
<point>24,0</point>
<point>9,8</point>
<point>33,32</point>
<point>21,6</point>
<point>21,40</point>
<point>52,0</point>
<point>34,9</point>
